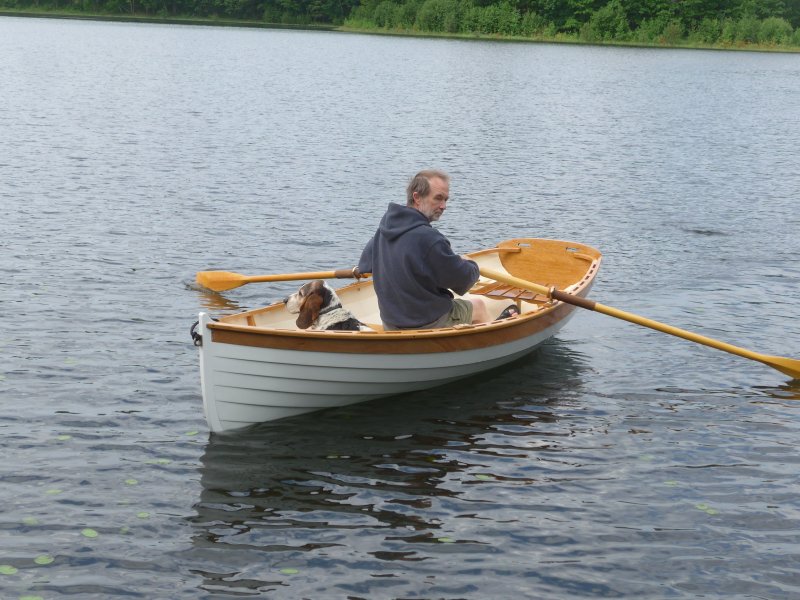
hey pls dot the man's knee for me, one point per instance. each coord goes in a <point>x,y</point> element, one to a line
<point>480,313</point>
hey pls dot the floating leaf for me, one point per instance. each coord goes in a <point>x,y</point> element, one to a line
<point>2,377</point>
<point>89,533</point>
<point>132,481</point>
<point>706,509</point>
<point>70,361</point>
<point>159,461</point>
<point>289,571</point>
<point>7,570</point>
<point>124,529</point>
<point>192,432</point>
<point>143,515</point>
<point>483,477</point>
<point>445,540</point>
<point>53,492</point>
<point>64,437</point>
<point>44,559</point>
<point>30,521</point>
<point>671,483</point>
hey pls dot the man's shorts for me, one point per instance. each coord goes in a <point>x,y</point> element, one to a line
<point>460,314</point>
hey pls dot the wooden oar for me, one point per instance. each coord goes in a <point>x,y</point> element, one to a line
<point>219,281</point>
<point>789,366</point>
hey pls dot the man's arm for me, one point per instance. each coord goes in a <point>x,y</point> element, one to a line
<point>452,271</point>
<point>365,262</point>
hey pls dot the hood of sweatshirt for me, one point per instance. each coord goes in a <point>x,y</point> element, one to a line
<point>399,219</point>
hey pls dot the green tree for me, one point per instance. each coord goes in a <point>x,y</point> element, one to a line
<point>661,11</point>
<point>532,24</point>
<point>384,14</point>
<point>608,23</point>
<point>693,12</point>
<point>553,11</point>
<point>747,29</point>
<point>499,18</point>
<point>792,12</point>
<point>707,31</point>
<point>762,8</point>
<point>431,16</point>
<point>775,30</point>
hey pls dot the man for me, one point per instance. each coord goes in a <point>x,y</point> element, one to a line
<point>413,266</point>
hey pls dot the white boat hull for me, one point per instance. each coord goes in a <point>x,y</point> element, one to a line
<point>243,385</point>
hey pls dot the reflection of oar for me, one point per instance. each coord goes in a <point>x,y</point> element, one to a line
<point>219,281</point>
<point>789,366</point>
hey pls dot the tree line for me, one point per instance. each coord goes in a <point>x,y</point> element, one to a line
<point>666,22</point>
<point>287,12</point>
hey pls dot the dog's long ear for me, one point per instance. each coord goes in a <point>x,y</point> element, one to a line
<point>309,310</point>
<point>327,295</point>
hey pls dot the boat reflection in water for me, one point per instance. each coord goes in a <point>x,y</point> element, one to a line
<point>395,469</point>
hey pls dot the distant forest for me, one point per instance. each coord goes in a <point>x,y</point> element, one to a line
<point>771,23</point>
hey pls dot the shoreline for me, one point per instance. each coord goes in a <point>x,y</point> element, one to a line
<point>217,22</point>
<point>201,21</point>
<point>568,40</point>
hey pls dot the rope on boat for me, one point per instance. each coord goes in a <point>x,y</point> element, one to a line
<point>197,337</point>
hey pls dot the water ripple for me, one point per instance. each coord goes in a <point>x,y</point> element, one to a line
<point>614,462</point>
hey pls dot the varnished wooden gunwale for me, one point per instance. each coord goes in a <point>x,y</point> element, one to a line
<point>419,341</point>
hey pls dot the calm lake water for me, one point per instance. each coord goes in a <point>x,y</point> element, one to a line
<point>614,462</point>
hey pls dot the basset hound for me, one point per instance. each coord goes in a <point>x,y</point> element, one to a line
<point>318,307</point>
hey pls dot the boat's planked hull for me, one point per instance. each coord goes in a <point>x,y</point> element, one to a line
<point>260,384</point>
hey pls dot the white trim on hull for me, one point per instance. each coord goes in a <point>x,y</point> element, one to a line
<point>245,385</point>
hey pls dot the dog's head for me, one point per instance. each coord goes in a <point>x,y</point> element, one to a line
<point>308,301</point>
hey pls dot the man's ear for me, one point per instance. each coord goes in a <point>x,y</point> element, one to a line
<point>309,310</point>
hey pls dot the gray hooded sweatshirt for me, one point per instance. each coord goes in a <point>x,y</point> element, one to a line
<point>413,269</point>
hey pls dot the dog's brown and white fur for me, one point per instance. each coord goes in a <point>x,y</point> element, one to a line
<point>318,307</point>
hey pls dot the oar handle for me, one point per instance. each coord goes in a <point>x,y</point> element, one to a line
<point>353,273</point>
<point>573,299</point>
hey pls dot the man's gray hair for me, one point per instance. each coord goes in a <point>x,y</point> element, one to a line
<point>421,183</point>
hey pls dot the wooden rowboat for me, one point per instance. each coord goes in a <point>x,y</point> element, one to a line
<point>258,366</point>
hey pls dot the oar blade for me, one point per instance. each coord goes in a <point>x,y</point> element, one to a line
<point>788,366</point>
<point>219,281</point>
